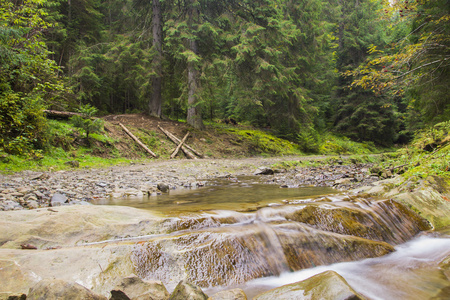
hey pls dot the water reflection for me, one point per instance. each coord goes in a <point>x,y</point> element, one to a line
<point>242,194</point>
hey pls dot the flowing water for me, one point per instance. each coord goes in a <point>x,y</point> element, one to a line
<point>411,272</point>
<point>243,233</point>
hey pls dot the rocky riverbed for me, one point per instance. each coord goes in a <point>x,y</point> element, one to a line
<point>31,190</point>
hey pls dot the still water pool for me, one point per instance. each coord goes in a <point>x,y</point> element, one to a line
<point>237,194</point>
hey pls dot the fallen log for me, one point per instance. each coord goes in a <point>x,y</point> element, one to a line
<point>177,141</point>
<point>60,114</point>
<point>190,148</point>
<point>179,146</point>
<point>137,140</point>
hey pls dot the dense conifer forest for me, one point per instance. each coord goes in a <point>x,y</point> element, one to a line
<point>371,70</point>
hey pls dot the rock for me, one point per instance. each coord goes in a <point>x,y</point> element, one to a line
<point>58,200</point>
<point>11,205</point>
<point>371,223</point>
<point>163,187</point>
<point>32,204</point>
<point>102,184</point>
<point>264,171</point>
<point>28,247</point>
<point>343,181</point>
<point>228,256</point>
<point>13,297</point>
<point>328,285</point>
<point>234,294</point>
<point>186,290</point>
<point>133,287</point>
<point>55,289</point>
<point>386,174</point>
<point>376,170</point>
<point>39,194</point>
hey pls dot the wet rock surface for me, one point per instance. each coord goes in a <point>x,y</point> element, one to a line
<point>31,190</point>
<point>327,285</point>
<point>54,289</point>
<point>133,287</point>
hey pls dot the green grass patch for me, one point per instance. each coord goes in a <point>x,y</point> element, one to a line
<point>57,159</point>
<point>332,144</point>
<point>263,143</point>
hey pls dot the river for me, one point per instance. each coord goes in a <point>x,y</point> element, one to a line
<point>241,233</point>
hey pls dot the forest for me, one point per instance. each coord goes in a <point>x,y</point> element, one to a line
<point>370,70</point>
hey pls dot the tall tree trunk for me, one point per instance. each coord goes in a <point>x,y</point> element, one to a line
<point>155,103</point>
<point>194,116</point>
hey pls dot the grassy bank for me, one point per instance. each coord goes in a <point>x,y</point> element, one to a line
<point>68,146</point>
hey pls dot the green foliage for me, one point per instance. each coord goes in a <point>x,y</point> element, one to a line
<point>332,144</point>
<point>28,78</point>
<point>428,154</point>
<point>415,65</point>
<point>86,120</point>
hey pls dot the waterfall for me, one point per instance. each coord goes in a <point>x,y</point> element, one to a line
<point>230,248</point>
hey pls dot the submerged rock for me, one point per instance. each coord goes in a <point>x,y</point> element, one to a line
<point>55,289</point>
<point>328,285</point>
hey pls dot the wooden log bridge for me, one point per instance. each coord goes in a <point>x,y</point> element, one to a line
<point>137,140</point>
<point>185,148</point>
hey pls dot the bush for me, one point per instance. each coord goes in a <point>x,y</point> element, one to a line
<point>86,120</point>
<point>22,124</point>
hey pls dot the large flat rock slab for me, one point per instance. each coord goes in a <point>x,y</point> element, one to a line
<point>73,225</point>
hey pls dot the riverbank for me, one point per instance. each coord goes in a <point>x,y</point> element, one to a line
<point>31,189</point>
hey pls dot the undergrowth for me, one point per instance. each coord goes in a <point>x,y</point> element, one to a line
<point>428,154</point>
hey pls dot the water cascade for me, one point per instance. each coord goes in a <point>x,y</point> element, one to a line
<point>230,248</point>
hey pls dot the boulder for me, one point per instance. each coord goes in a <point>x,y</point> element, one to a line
<point>58,200</point>
<point>187,290</point>
<point>263,171</point>
<point>234,294</point>
<point>55,289</point>
<point>163,187</point>
<point>328,285</point>
<point>133,287</point>
<point>431,199</point>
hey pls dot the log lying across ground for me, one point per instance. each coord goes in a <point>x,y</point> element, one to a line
<point>60,114</point>
<point>137,140</point>
<point>179,146</point>
<point>177,141</point>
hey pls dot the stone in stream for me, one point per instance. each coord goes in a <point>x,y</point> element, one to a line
<point>133,287</point>
<point>328,285</point>
<point>163,187</point>
<point>55,289</point>
<point>187,290</point>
